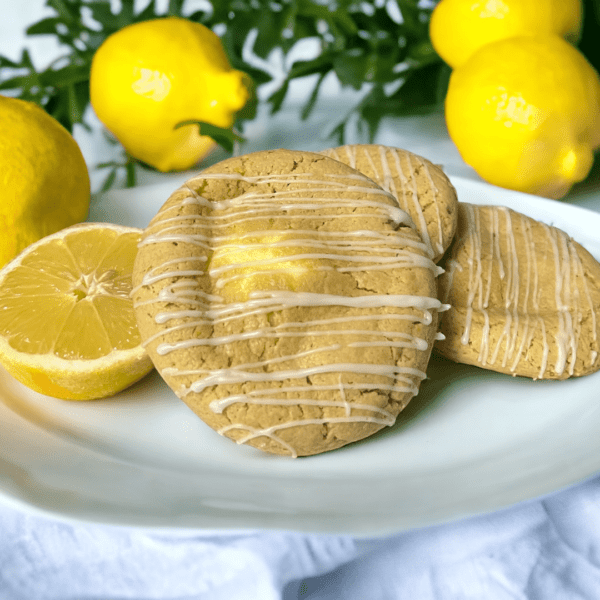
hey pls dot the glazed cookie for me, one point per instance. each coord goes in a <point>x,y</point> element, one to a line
<point>422,189</point>
<point>524,297</point>
<point>282,296</point>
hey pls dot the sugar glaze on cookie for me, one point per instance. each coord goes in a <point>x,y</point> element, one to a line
<point>524,297</point>
<point>232,271</point>
<point>415,182</point>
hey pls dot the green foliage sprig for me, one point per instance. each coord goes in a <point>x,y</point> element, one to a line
<point>360,42</point>
<point>380,48</point>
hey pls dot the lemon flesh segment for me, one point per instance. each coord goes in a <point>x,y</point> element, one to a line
<point>67,327</point>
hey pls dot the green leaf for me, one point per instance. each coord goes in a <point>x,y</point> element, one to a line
<point>276,99</point>
<point>338,134</point>
<point>109,180</point>
<point>351,68</point>
<point>7,62</point>
<point>44,27</point>
<point>371,117</point>
<point>443,79</point>
<point>358,42</point>
<point>148,13</point>
<point>248,112</point>
<point>309,106</point>
<point>345,23</point>
<point>25,82</point>
<point>67,10</point>
<point>131,175</point>
<point>66,76</point>
<point>127,13</point>
<point>321,64</point>
<point>315,10</point>
<point>102,13</point>
<point>256,74</point>
<point>80,97</point>
<point>226,138</point>
<point>175,7</point>
<point>423,53</point>
<point>409,15</point>
<point>271,27</point>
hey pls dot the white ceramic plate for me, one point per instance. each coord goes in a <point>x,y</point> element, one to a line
<point>471,442</point>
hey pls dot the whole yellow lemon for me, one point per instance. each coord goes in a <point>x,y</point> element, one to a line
<point>43,177</point>
<point>150,76</point>
<point>459,27</point>
<point>524,112</point>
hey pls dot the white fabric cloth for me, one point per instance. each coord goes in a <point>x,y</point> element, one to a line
<point>541,550</point>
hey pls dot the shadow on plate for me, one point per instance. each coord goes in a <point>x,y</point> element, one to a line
<point>445,381</point>
<point>59,417</point>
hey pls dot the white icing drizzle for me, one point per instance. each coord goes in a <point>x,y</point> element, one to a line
<point>270,432</point>
<point>189,309</point>
<point>260,266</point>
<point>301,198</point>
<point>436,194</point>
<point>218,406</point>
<point>242,374</point>
<point>406,341</point>
<point>518,276</point>
<point>390,162</point>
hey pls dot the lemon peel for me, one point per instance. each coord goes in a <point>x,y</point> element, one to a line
<point>524,112</point>
<point>45,180</point>
<point>458,28</point>
<point>150,76</point>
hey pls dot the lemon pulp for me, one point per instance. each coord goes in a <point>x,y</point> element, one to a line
<point>67,327</point>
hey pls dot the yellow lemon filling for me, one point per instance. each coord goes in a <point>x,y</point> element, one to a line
<point>269,262</point>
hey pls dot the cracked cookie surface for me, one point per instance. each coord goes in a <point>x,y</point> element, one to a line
<point>524,297</point>
<point>422,189</point>
<point>284,299</point>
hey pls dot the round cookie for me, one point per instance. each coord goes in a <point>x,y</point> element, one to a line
<point>422,189</point>
<point>524,297</point>
<point>284,298</point>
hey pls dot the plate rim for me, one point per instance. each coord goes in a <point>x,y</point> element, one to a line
<point>238,518</point>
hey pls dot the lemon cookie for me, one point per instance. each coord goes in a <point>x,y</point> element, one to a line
<point>422,188</point>
<point>283,297</point>
<point>524,297</point>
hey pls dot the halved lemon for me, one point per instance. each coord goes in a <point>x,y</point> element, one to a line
<point>67,327</point>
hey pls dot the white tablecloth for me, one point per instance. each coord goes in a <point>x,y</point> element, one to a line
<point>541,550</point>
<point>545,550</point>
